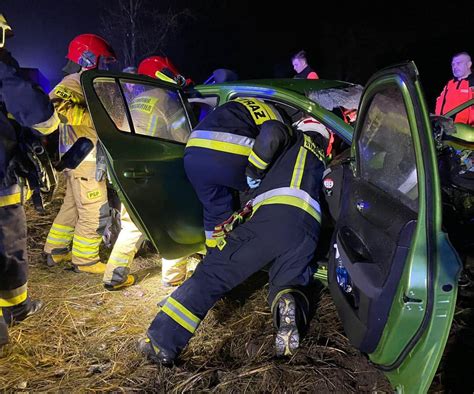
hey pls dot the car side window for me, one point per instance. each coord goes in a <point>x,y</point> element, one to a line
<point>154,111</point>
<point>385,148</point>
<point>110,96</point>
<point>203,106</point>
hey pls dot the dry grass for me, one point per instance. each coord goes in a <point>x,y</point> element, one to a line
<point>85,338</point>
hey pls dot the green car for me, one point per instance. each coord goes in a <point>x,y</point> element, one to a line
<point>382,189</point>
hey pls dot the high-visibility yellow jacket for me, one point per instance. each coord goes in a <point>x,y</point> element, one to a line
<point>68,100</point>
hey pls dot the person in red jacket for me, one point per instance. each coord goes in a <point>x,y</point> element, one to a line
<point>300,65</point>
<point>458,90</point>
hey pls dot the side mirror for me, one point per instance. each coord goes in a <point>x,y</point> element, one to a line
<point>75,155</point>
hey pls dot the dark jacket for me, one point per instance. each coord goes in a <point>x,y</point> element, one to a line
<point>294,172</point>
<point>21,104</point>
<point>307,73</point>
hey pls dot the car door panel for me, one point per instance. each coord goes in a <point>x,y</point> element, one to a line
<point>367,240</point>
<point>144,163</point>
<point>388,239</point>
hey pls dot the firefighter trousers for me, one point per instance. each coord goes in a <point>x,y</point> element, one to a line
<point>123,253</point>
<point>216,178</point>
<point>282,235</point>
<point>80,223</point>
<point>13,258</point>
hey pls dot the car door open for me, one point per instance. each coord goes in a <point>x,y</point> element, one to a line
<point>143,126</point>
<point>392,271</point>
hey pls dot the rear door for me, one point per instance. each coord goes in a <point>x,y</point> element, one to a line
<point>143,125</point>
<point>392,271</point>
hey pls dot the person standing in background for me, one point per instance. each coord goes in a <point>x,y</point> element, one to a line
<point>302,68</point>
<point>458,90</point>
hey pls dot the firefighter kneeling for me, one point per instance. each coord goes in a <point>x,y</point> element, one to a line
<point>283,230</point>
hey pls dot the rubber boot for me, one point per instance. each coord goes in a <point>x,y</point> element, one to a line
<point>53,260</point>
<point>97,268</point>
<point>130,281</point>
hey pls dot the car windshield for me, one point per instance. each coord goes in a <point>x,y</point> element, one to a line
<point>347,97</point>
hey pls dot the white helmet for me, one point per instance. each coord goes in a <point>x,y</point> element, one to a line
<point>310,124</point>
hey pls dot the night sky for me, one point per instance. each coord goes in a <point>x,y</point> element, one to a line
<point>257,39</point>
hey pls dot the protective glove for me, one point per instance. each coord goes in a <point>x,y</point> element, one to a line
<point>253,183</point>
<point>237,218</point>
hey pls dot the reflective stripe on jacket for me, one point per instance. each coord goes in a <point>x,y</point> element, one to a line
<point>69,102</point>
<point>289,196</point>
<point>233,127</point>
<point>224,142</point>
<point>294,178</point>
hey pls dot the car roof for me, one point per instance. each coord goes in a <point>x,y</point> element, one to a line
<point>300,86</point>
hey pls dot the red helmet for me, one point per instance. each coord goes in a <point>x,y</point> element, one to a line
<point>162,68</point>
<point>89,51</point>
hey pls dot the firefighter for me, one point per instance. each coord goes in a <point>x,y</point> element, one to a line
<point>152,113</point>
<point>217,152</point>
<point>458,90</point>
<point>77,230</point>
<point>282,231</point>
<point>22,104</point>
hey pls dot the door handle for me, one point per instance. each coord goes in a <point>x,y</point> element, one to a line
<point>361,206</point>
<point>132,174</point>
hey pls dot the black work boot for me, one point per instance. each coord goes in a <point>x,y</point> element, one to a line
<point>16,314</point>
<point>154,353</point>
<point>287,338</point>
<point>290,321</point>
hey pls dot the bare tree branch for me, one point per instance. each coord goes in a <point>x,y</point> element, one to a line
<point>138,28</point>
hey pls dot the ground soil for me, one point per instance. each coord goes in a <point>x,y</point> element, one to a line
<point>85,338</point>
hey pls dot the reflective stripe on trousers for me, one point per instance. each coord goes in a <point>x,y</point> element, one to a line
<point>87,248</point>
<point>13,297</point>
<point>223,142</point>
<point>82,209</point>
<point>12,195</point>
<point>60,236</point>
<point>181,315</point>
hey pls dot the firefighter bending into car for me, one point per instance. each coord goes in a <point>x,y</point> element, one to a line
<point>217,152</point>
<point>22,105</point>
<point>152,114</point>
<point>283,231</point>
<point>76,233</point>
